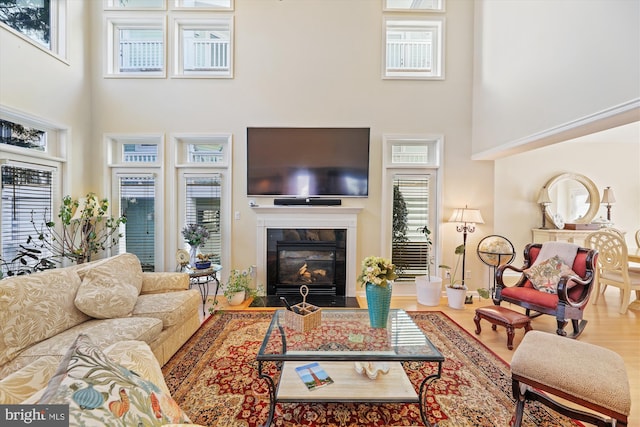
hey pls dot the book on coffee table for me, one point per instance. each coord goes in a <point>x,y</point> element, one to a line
<point>313,375</point>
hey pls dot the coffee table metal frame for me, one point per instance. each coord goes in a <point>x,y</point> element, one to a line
<point>407,343</point>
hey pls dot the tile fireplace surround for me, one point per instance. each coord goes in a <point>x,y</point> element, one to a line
<point>316,217</point>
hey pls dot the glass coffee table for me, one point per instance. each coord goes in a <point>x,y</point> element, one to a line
<point>343,338</point>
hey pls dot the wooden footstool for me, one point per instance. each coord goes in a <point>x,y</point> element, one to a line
<point>588,375</point>
<point>497,315</point>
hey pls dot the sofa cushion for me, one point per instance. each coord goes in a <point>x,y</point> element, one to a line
<point>546,275</point>
<point>154,282</point>
<point>23,383</point>
<point>110,289</point>
<point>102,332</point>
<point>101,392</point>
<point>170,307</point>
<point>35,307</point>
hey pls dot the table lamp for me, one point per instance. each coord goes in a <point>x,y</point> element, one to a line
<point>608,199</point>
<point>467,220</point>
<point>544,200</point>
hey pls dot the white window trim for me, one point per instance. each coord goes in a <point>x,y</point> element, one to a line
<point>180,143</point>
<point>114,144</point>
<point>390,169</point>
<point>437,25</point>
<point>180,23</point>
<point>112,22</point>
<point>386,8</point>
<point>113,5</point>
<point>59,31</point>
<point>178,5</point>
<point>176,187</point>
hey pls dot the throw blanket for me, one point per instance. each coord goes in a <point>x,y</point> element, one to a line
<point>566,251</point>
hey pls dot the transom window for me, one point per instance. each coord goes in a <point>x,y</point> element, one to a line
<point>22,136</point>
<point>413,48</point>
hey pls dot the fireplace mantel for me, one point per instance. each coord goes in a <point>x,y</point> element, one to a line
<point>308,217</point>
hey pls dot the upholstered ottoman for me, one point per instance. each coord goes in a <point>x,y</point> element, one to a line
<point>497,315</point>
<point>590,376</point>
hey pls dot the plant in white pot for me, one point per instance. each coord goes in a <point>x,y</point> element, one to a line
<point>238,287</point>
<point>456,289</point>
<point>428,288</point>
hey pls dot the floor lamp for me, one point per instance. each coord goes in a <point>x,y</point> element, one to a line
<point>467,220</point>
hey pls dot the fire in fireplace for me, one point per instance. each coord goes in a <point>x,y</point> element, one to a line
<point>315,258</point>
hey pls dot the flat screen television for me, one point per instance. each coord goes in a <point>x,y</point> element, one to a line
<point>307,162</point>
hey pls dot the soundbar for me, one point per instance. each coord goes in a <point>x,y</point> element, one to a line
<point>307,201</point>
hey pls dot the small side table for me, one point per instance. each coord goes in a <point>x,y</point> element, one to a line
<point>202,278</point>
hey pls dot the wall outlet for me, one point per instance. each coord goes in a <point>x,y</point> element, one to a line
<point>467,275</point>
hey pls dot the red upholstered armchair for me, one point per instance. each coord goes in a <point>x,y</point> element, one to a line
<point>572,295</point>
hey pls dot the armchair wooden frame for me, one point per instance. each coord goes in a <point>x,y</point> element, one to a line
<point>568,304</point>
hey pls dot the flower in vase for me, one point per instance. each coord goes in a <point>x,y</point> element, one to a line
<point>195,234</point>
<point>377,270</point>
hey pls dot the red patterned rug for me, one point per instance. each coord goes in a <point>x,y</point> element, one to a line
<point>214,378</point>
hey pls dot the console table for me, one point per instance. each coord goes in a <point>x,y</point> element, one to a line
<point>541,235</point>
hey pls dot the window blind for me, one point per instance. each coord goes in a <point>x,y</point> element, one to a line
<point>202,206</point>
<point>26,193</point>
<point>137,204</point>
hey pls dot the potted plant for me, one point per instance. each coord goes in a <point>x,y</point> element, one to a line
<point>203,261</point>
<point>238,287</point>
<point>428,288</point>
<point>456,289</point>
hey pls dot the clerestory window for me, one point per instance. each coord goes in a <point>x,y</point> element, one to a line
<point>41,22</point>
<point>413,48</point>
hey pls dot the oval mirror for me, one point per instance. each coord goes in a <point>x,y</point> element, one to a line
<point>574,199</point>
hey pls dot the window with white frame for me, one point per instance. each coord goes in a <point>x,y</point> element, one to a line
<point>414,5</point>
<point>411,182</point>
<point>31,161</point>
<point>204,47</point>
<point>413,48</point>
<point>204,4</point>
<point>204,189</point>
<point>135,4</point>
<point>136,165</point>
<point>136,47</point>
<point>41,22</point>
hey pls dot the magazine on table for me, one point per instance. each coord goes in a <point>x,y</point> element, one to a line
<point>313,375</point>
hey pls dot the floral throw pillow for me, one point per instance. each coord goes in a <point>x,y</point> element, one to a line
<point>546,275</point>
<point>100,392</point>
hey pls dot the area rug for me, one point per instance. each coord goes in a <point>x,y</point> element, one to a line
<point>214,378</point>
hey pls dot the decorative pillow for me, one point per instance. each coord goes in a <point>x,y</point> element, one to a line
<point>104,297</point>
<point>101,393</point>
<point>546,275</point>
<point>110,289</point>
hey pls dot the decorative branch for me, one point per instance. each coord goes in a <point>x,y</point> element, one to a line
<point>85,230</point>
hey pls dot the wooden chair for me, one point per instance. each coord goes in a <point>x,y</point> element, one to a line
<point>613,266</point>
<point>572,291</point>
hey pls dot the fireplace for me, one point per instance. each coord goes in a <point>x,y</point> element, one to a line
<point>312,257</point>
<point>319,218</point>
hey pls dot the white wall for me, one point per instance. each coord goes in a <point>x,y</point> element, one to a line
<point>57,91</point>
<point>309,63</point>
<point>519,178</point>
<point>543,70</point>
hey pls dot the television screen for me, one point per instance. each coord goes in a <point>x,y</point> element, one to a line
<point>307,162</point>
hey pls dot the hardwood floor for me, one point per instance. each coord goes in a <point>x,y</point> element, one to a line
<point>606,328</point>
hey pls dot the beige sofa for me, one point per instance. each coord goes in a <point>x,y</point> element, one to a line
<point>109,300</point>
